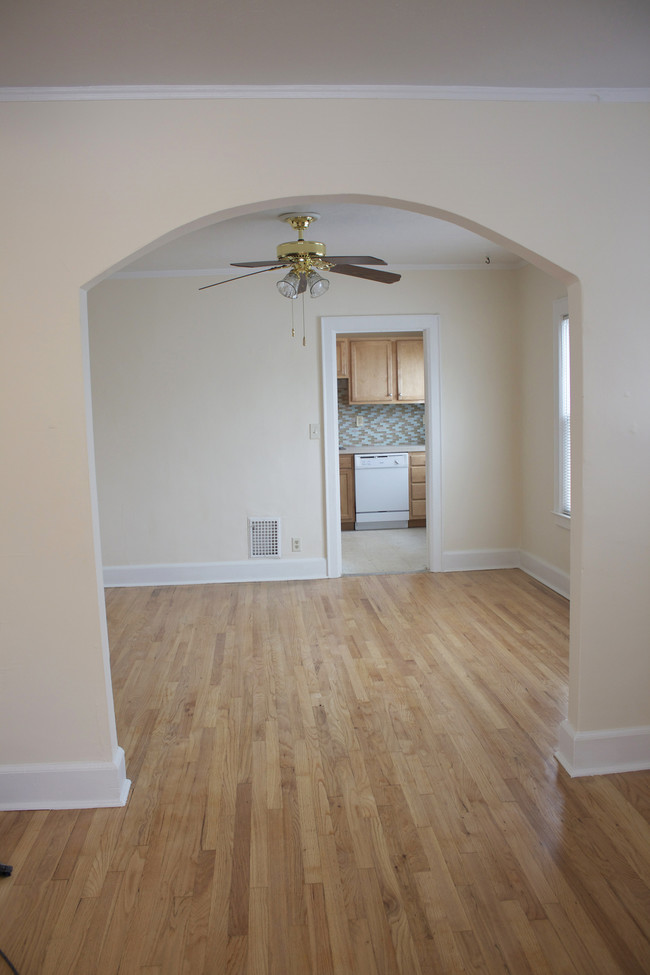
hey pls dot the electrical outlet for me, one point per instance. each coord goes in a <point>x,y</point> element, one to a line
<point>361,422</point>
<point>296,545</point>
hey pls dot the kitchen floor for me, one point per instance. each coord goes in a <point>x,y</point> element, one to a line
<point>391,550</point>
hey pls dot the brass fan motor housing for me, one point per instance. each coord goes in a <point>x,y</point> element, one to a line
<point>303,254</point>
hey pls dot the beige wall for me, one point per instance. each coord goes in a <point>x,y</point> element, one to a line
<point>202,403</point>
<point>87,184</point>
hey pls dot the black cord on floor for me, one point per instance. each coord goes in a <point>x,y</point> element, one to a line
<point>5,871</point>
<point>11,966</point>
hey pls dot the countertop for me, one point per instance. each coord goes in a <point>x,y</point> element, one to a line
<point>382,448</point>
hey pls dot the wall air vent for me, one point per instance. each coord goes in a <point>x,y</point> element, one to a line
<point>264,538</point>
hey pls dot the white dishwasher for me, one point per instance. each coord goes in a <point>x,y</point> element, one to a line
<point>381,488</point>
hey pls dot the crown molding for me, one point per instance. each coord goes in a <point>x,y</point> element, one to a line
<point>413,92</point>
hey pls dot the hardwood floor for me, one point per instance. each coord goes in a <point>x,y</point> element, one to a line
<point>343,777</point>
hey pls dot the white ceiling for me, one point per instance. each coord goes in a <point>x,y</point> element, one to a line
<point>511,43</point>
<point>404,240</point>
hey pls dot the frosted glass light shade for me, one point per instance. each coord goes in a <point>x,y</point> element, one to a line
<point>288,286</point>
<point>316,284</point>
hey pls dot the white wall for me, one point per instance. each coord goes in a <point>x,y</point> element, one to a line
<point>480,397</point>
<point>84,185</point>
<point>202,403</point>
<point>543,536</point>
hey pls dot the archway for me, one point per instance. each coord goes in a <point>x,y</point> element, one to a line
<point>541,263</point>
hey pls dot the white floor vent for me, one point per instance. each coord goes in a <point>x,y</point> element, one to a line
<point>264,538</point>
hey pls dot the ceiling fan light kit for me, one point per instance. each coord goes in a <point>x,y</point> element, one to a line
<point>289,284</point>
<point>316,284</point>
<point>305,258</point>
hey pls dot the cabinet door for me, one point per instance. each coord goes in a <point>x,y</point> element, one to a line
<point>348,513</point>
<point>410,370</point>
<point>342,359</point>
<point>371,371</point>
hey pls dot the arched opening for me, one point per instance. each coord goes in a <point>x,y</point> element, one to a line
<point>201,564</point>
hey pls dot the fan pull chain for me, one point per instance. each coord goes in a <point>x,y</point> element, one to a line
<point>293,323</point>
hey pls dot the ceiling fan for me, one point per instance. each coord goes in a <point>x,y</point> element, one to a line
<point>306,258</point>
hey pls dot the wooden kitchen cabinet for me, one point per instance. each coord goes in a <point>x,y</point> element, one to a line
<point>417,489</point>
<point>371,371</point>
<point>346,483</point>
<point>386,370</point>
<point>342,358</point>
<point>409,355</point>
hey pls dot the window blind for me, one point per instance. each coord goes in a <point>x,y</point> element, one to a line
<point>564,418</point>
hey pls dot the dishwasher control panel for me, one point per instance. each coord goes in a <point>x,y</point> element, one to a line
<point>362,461</point>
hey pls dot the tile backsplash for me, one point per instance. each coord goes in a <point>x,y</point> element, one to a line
<point>390,423</point>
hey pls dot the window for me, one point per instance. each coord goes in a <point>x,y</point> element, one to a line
<point>563,401</point>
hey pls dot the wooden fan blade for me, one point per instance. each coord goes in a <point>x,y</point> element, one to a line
<point>386,277</point>
<point>355,260</point>
<point>302,286</point>
<point>239,276</point>
<point>260,264</point>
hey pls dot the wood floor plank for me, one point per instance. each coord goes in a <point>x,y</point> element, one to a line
<point>46,850</point>
<point>307,817</point>
<point>418,923</point>
<point>319,937</point>
<point>278,947</point>
<point>63,953</point>
<point>73,905</point>
<point>197,929</point>
<point>338,777</point>
<point>359,803</point>
<point>217,938</point>
<point>347,860</point>
<point>258,938</point>
<point>259,854</point>
<point>376,911</point>
<point>238,902</point>
<point>112,958</point>
<point>395,905</point>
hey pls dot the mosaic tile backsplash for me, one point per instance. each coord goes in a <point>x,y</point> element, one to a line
<point>398,423</point>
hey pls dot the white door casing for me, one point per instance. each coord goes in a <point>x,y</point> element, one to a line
<point>429,325</point>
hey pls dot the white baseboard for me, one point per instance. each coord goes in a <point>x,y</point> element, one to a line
<point>201,573</point>
<point>546,573</point>
<point>508,558</point>
<point>65,785</point>
<point>474,559</point>
<point>603,752</point>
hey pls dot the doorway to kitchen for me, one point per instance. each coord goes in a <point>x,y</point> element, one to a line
<point>390,549</point>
